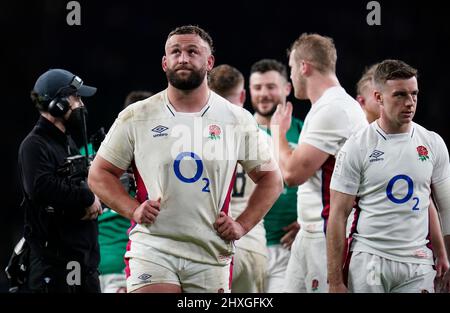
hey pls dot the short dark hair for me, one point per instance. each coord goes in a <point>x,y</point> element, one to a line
<point>266,65</point>
<point>392,70</point>
<point>41,105</point>
<point>193,29</point>
<point>135,96</point>
<point>223,79</point>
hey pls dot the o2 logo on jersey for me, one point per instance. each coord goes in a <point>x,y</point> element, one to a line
<point>198,173</point>
<point>408,195</point>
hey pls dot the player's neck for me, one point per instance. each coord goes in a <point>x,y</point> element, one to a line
<point>318,84</point>
<point>371,117</point>
<point>263,120</point>
<point>393,128</point>
<point>188,101</point>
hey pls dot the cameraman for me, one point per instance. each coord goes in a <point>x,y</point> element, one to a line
<point>60,212</point>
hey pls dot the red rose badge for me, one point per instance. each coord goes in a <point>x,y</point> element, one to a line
<point>423,153</point>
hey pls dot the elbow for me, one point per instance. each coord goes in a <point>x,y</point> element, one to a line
<point>279,184</point>
<point>91,180</point>
<point>289,180</point>
<point>292,180</point>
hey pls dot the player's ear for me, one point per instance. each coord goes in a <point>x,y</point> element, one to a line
<point>210,61</point>
<point>287,89</point>
<point>242,96</point>
<point>378,97</point>
<point>164,63</point>
<point>361,100</point>
<point>305,68</point>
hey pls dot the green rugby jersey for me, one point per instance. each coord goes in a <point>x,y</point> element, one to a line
<point>113,239</point>
<point>112,234</point>
<point>284,211</point>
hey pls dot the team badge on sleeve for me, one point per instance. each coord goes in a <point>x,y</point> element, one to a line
<point>423,153</point>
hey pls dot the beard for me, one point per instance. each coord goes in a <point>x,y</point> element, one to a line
<point>189,82</point>
<point>271,111</point>
<point>265,113</point>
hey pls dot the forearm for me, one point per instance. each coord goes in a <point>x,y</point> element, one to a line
<point>341,206</point>
<point>111,192</point>
<point>335,249</point>
<point>266,192</point>
<point>437,239</point>
<point>447,244</point>
<point>285,153</point>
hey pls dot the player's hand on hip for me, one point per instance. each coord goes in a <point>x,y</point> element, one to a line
<point>445,282</point>
<point>442,280</point>
<point>147,212</point>
<point>282,118</point>
<point>337,288</point>
<point>227,228</point>
<point>291,232</point>
<point>442,266</point>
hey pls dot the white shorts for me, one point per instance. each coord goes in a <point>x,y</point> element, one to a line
<point>371,273</point>
<point>307,268</point>
<point>191,276</point>
<point>276,268</point>
<point>113,283</point>
<point>249,271</point>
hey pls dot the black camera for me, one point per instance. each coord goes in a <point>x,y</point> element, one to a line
<point>74,167</point>
<point>97,138</point>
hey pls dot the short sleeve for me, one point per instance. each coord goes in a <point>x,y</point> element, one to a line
<point>441,168</point>
<point>347,169</point>
<point>327,130</point>
<point>118,145</point>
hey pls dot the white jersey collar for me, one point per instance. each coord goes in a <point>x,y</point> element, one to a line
<point>400,137</point>
<point>200,113</point>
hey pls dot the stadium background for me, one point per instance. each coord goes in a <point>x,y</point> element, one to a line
<point>119,46</point>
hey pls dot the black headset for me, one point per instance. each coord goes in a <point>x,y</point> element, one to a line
<point>58,106</point>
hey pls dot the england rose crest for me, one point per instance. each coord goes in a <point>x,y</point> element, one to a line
<point>214,132</point>
<point>423,153</point>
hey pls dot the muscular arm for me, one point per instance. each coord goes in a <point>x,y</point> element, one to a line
<point>437,241</point>
<point>441,195</point>
<point>300,164</point>
<point>268,188</point>
<point>104,181</point>
<point>296,165</point>
<point>341,207</point>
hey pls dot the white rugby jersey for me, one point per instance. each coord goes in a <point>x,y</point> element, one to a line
<point>391,175</point>
<point>328,124</point>
<point>189,160</point>
<point>255,239</point>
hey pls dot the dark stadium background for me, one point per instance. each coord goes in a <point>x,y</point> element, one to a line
<point>119,46</point>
